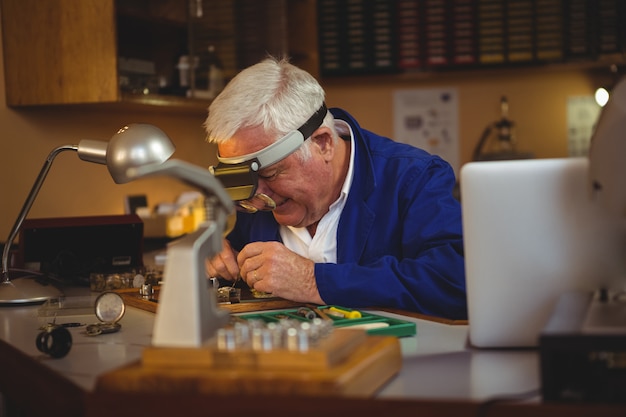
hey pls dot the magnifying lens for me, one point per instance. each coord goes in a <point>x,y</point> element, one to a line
<point>240,174</point>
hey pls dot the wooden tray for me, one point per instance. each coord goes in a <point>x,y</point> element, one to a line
<point>351,363</point>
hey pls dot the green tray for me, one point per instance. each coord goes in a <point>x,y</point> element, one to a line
<point>392,326</point>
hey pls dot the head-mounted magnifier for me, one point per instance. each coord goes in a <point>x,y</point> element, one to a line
<point>240,174</point>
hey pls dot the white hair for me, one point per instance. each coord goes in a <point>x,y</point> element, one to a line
<point>273,94</point>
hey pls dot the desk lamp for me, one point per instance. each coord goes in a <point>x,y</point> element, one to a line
<point>133,145</point>
<point>187,314</point>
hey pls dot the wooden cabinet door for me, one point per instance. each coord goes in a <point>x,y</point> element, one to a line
<point>59,51</point>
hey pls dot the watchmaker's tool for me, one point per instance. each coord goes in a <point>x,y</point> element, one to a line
<point>339,317</point>
<point>349,314</point>
<point>306,312</point>
<point>319,312</point>
<point>54,339</point>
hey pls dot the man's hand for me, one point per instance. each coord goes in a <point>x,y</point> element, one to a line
<point>271,267</point>
<point>224,264</point>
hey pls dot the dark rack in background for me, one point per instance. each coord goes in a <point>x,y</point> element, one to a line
<point>400,36</point>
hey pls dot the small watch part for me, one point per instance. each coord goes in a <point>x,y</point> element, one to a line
<point>146,291</point>
<point>139,280</point>
<point>290,334</point>
<point>109,309</point>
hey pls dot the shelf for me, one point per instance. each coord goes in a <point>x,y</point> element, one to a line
<point>154,103</point>
<point>441,74</point>
<point>158,100</point>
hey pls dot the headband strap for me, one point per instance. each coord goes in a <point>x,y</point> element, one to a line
<point>283,147</point>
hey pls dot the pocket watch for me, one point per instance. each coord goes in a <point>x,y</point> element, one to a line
<point>109,309</point>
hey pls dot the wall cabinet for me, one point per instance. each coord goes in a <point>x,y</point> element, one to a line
<point>127,51</point>
<point>59,52</point>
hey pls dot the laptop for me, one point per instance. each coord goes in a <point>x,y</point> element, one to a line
<point>531,233</point>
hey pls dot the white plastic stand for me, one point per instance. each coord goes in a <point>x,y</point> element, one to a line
<point>188,315</point>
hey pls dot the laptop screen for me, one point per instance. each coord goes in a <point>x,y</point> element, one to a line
<point>531,233</point>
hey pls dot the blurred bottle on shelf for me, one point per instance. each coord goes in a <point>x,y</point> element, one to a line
<point>216,73</point>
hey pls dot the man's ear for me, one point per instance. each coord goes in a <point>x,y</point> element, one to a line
<point>323,138</point>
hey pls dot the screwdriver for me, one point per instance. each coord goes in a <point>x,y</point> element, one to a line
<point>352,314</point>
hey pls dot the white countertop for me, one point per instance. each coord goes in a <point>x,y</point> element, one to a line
<point>437,363</point>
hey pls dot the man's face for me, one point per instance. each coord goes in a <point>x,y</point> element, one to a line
<point>301,190</point>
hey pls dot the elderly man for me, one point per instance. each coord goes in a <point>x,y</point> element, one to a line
<point>343,216</point>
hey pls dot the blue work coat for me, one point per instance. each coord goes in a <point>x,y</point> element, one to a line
<point>399,238</point>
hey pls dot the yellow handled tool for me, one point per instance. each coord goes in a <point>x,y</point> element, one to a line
<point>353,314</point>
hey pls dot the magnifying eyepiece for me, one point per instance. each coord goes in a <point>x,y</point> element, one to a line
<point>240,174</point>
<point>259,202</point>
<point>240,180</point>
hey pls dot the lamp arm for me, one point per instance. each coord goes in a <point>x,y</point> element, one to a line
<point>28,204</point>
<point>187,173</point>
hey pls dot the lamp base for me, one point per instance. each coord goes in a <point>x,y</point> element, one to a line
<point>26,290</point>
